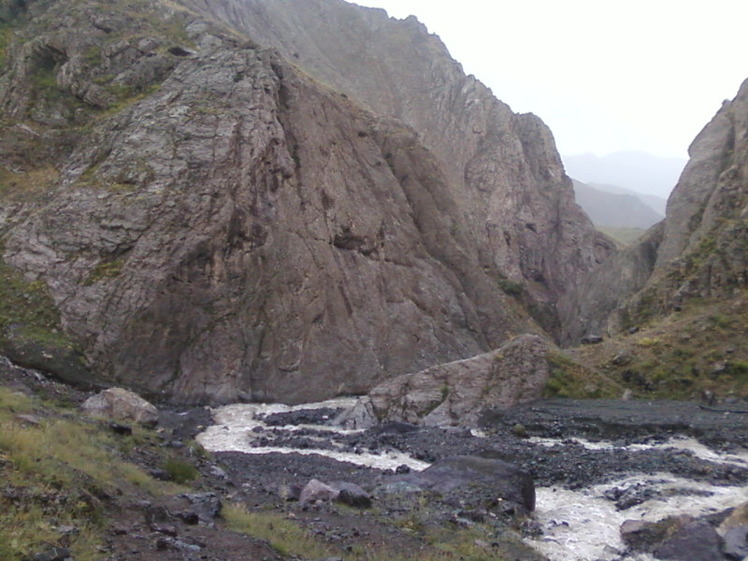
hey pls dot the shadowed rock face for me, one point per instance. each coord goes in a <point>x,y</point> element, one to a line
<point>229,228</point>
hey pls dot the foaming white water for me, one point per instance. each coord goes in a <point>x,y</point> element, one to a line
<point>692,445</point>
<point>578,525</point>
<point>237,430</point>
<point>582,525</point>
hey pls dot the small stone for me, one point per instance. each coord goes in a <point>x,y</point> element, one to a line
<point>736,542</point>
<point>117,428</point>
<point>592,339</point>
<point>53,554</point>
<point>358,499</point>
<point>68,530</point>
<point>215,471</point>
<point>622,359</point>
<point>166,529</point>
<point>520,431</point>
<point>157,515</point>
<point>291,492</point>
<point>315,490</point>
<point>189,517</point>
<point>30,419</point>
<point>160,474</point>
<point>206,505</point>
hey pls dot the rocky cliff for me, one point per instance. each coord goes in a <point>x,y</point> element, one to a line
<point>699,251</point>
<point>675,305</point>
<point>186,208</point>
<point>502,168</point>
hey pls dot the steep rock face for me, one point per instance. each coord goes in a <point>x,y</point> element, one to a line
<point>700,250</point>
<point>456,393</point>
<point>587,310</point>
<point>230,229</point>
<point>502,168</point>
<point>704,251</point>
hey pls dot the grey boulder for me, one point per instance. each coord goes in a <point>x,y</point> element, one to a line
<point>121,405</point>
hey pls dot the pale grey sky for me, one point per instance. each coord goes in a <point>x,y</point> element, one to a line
<point>605,75</point>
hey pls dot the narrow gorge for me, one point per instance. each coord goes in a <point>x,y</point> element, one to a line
<point>361,310</point>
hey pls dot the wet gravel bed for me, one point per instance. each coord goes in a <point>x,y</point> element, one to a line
<point>723,426</point>
<point>321,416</point>
<point>569,463</point>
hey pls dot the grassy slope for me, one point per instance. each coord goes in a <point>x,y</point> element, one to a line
<point>704,346</point>
<point>59,471</point>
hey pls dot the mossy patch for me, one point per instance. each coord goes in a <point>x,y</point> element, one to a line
<point>702,346</point>
<point>27,311</point>
<point>28,185</point>
<point>290,539</point>
<point>31,333</point>
<point>105,270</point>
<point>622,235</point>
<point>571,379</point>
<point>6,35</point>
<point>510,287</point>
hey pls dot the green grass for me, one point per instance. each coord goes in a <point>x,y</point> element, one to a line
<point>290,539</point>
<point>570,379</point>
<point>6,34</point>
<point>181,472</point>
<point>702,346</point>
<point>623,235</point>
<point>27,310</point>
<point>510,287</point>
<point>24,186</point>
<point>60,472</point>
<point>283,535</point>
<point>104,270</point>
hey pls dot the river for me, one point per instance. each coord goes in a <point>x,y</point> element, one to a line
<point>578,524</point>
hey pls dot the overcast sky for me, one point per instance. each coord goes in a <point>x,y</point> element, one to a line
<point>605,75</point>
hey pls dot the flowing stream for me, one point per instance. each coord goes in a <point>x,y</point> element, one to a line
<point>577,525</point>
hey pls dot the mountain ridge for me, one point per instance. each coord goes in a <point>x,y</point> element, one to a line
<point>638,171</point>
<point>218,225</point>
<point>612,209</point>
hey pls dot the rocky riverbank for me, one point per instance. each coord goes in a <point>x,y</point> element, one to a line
<point>626,458</point>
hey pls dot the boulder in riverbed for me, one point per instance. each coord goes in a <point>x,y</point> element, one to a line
<point>473,480</point>
<point>678,538</point>
<point>340,491</point>
<point>315,491</point>
<point>456,393</point>
<point>360,416</point>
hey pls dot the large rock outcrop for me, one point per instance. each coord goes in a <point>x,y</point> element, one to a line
<point>502,168</point>
<point>457,393</point>
<point>213,224</point>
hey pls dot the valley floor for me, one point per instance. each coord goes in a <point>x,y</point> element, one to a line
<point>235,505</point>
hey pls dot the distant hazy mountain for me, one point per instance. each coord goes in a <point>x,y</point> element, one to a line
<point>638,171</point>
<point>658,204</point>
<point>614,209</point>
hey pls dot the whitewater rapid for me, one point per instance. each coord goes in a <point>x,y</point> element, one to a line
<point>577,525</point>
